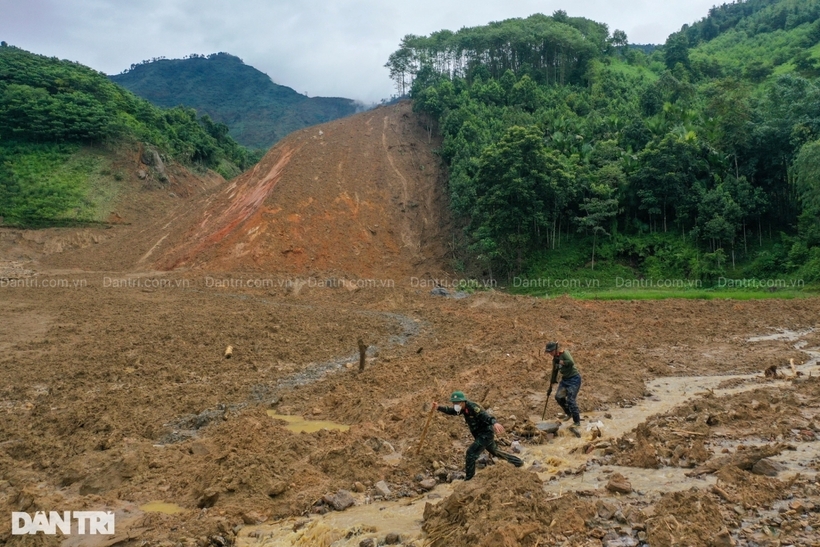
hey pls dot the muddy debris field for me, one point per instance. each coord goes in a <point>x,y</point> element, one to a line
<point>123,399</point>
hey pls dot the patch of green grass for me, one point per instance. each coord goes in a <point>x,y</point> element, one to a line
<point>694,294</point>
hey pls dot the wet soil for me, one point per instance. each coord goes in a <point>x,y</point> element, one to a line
<point>118,397</point>
<point>116,392</point>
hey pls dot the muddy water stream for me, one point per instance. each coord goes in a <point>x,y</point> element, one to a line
<point>553,462</point>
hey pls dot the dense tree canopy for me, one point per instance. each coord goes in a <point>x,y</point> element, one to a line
<point>551,125</point>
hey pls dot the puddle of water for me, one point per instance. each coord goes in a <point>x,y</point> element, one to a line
<point>347,528</point>
<point>298,424</point>
<point>787,335</point>
<point>162,507</point>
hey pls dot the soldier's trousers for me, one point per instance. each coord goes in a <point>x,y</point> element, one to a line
<point>566,395</point>
<point>487,442</point>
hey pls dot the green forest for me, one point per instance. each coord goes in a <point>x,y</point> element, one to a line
<point>257,111</point>
<point>570,151</point>
<point>55,113</point>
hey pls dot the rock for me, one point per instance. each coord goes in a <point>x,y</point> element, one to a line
<point>208,498</point>
<point>724,539</point>
<point>767,467</point>
<point>428,484</point>
<point>516,447</point>
<point>358,487</point>
<point>440,291</point>
<point>199,449</point>
<point>382,488</point>
<point>252,517</point>
<point>623,541</point>
<point>548,427</point>
<point>605,509</point>
<point>367,542</point>
<point>277,488</point>
<point>456,476</point>
<point>392,539</point>
<point>340,501</point>
<point>618,484</point>
<point>797,506</point>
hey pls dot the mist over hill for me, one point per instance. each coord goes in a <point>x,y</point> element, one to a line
<point>258,111</point>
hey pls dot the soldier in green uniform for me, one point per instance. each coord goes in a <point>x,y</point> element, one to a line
<point>570,384</point>
<point>482,425</point>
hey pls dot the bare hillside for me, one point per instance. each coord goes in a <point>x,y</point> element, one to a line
<point>363,196</point>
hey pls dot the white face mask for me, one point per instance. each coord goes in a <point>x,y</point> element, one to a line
<point>457,408</point>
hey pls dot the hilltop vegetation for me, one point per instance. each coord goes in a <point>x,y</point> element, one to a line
<point>257,111</point>
<point>696,161</point>
<point>56,119</point>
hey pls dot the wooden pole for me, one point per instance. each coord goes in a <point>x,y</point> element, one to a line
<point>362,354</point>
<point>426,426</point>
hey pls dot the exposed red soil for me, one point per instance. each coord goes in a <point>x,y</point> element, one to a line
<point>363,195</point>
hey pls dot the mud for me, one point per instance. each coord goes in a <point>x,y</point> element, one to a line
<point>115,392</point>
<point>102,376</point>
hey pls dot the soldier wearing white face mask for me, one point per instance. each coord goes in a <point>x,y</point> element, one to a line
<point>482,425</point>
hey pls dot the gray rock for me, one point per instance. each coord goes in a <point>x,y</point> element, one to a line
<point>340,501</point>
<point>382,488</point>
<point>767,467</point>
<point>428,484</point>
<point>606,510</point>
<point>392,539</point>
<point>548,427</point>
<point>623,541</point>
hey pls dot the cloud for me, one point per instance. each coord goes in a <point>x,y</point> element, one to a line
<point>321,47</point>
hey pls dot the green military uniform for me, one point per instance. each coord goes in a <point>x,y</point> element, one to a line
<point>564,364</point>
<point>481,424</point>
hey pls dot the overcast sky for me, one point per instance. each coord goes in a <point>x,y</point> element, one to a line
<point>334,48</point>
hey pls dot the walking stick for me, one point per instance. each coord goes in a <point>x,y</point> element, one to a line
<point>549,392</point>
<point>424,431</point>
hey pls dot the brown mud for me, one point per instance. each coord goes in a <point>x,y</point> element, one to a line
<point>116,393</point>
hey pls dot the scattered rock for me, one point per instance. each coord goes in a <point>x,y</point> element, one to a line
<point>605,509</point>
<point>428,484</point>
<point>623,541</point>
<point>382,488</point>
<point>767,467</point>
<point>618,484</point>
<point>548,427</point>
<point>277,488</point>
<point>208,498</point>
<point>724,539</point>
<point>340,501</point>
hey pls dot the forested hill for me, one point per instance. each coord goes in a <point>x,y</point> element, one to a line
<point>257,111</point>
<point>569,149</point>
<point>62,125</point>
